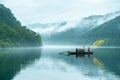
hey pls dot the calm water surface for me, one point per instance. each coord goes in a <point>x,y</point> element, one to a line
<point>48,64</point>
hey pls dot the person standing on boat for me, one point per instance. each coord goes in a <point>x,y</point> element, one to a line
<point>88,49</point>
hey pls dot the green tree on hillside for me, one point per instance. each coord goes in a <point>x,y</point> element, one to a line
<point>13,34</point>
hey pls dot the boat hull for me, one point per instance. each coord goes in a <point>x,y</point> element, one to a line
<point>76,53</point>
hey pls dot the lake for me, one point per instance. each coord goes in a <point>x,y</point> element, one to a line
<point>47,64</point>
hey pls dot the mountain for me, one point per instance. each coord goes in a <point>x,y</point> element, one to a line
<point>64,26</point>
<point>52,28</point>
<point>108,31</point>
<point>71,32</point>
<point>13,34</point>
<point>73,35</point>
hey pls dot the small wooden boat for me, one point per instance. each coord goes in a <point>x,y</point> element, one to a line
<point>78,52</point>
<point>75,53</point>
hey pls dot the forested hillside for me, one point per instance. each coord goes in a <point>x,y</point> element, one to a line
<point>87,31</point>
<point>109,31</point>
<point>13,34</point>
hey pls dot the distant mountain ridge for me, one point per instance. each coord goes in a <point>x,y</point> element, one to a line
<point>73,34</point>
<point>51,28</point>
<point>63,26</point>
<point>35,25</point>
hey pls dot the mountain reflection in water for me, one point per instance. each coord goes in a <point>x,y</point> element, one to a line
<point>50,65</point>
<point>13,60</point>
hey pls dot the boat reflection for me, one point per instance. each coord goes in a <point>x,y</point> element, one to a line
<point>81,55</point>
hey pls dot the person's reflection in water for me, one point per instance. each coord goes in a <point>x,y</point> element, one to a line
<point>88,56</point>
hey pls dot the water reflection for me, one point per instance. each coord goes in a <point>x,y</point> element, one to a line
<point>102,65</point>
<point>14,59</point>
<point>104,61</point>
<point>110,58</point>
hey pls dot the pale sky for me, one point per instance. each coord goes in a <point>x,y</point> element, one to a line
<point>42,11</point>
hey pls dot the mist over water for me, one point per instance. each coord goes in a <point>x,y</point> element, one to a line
<point>76,46</point>
<point>45,63</point>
